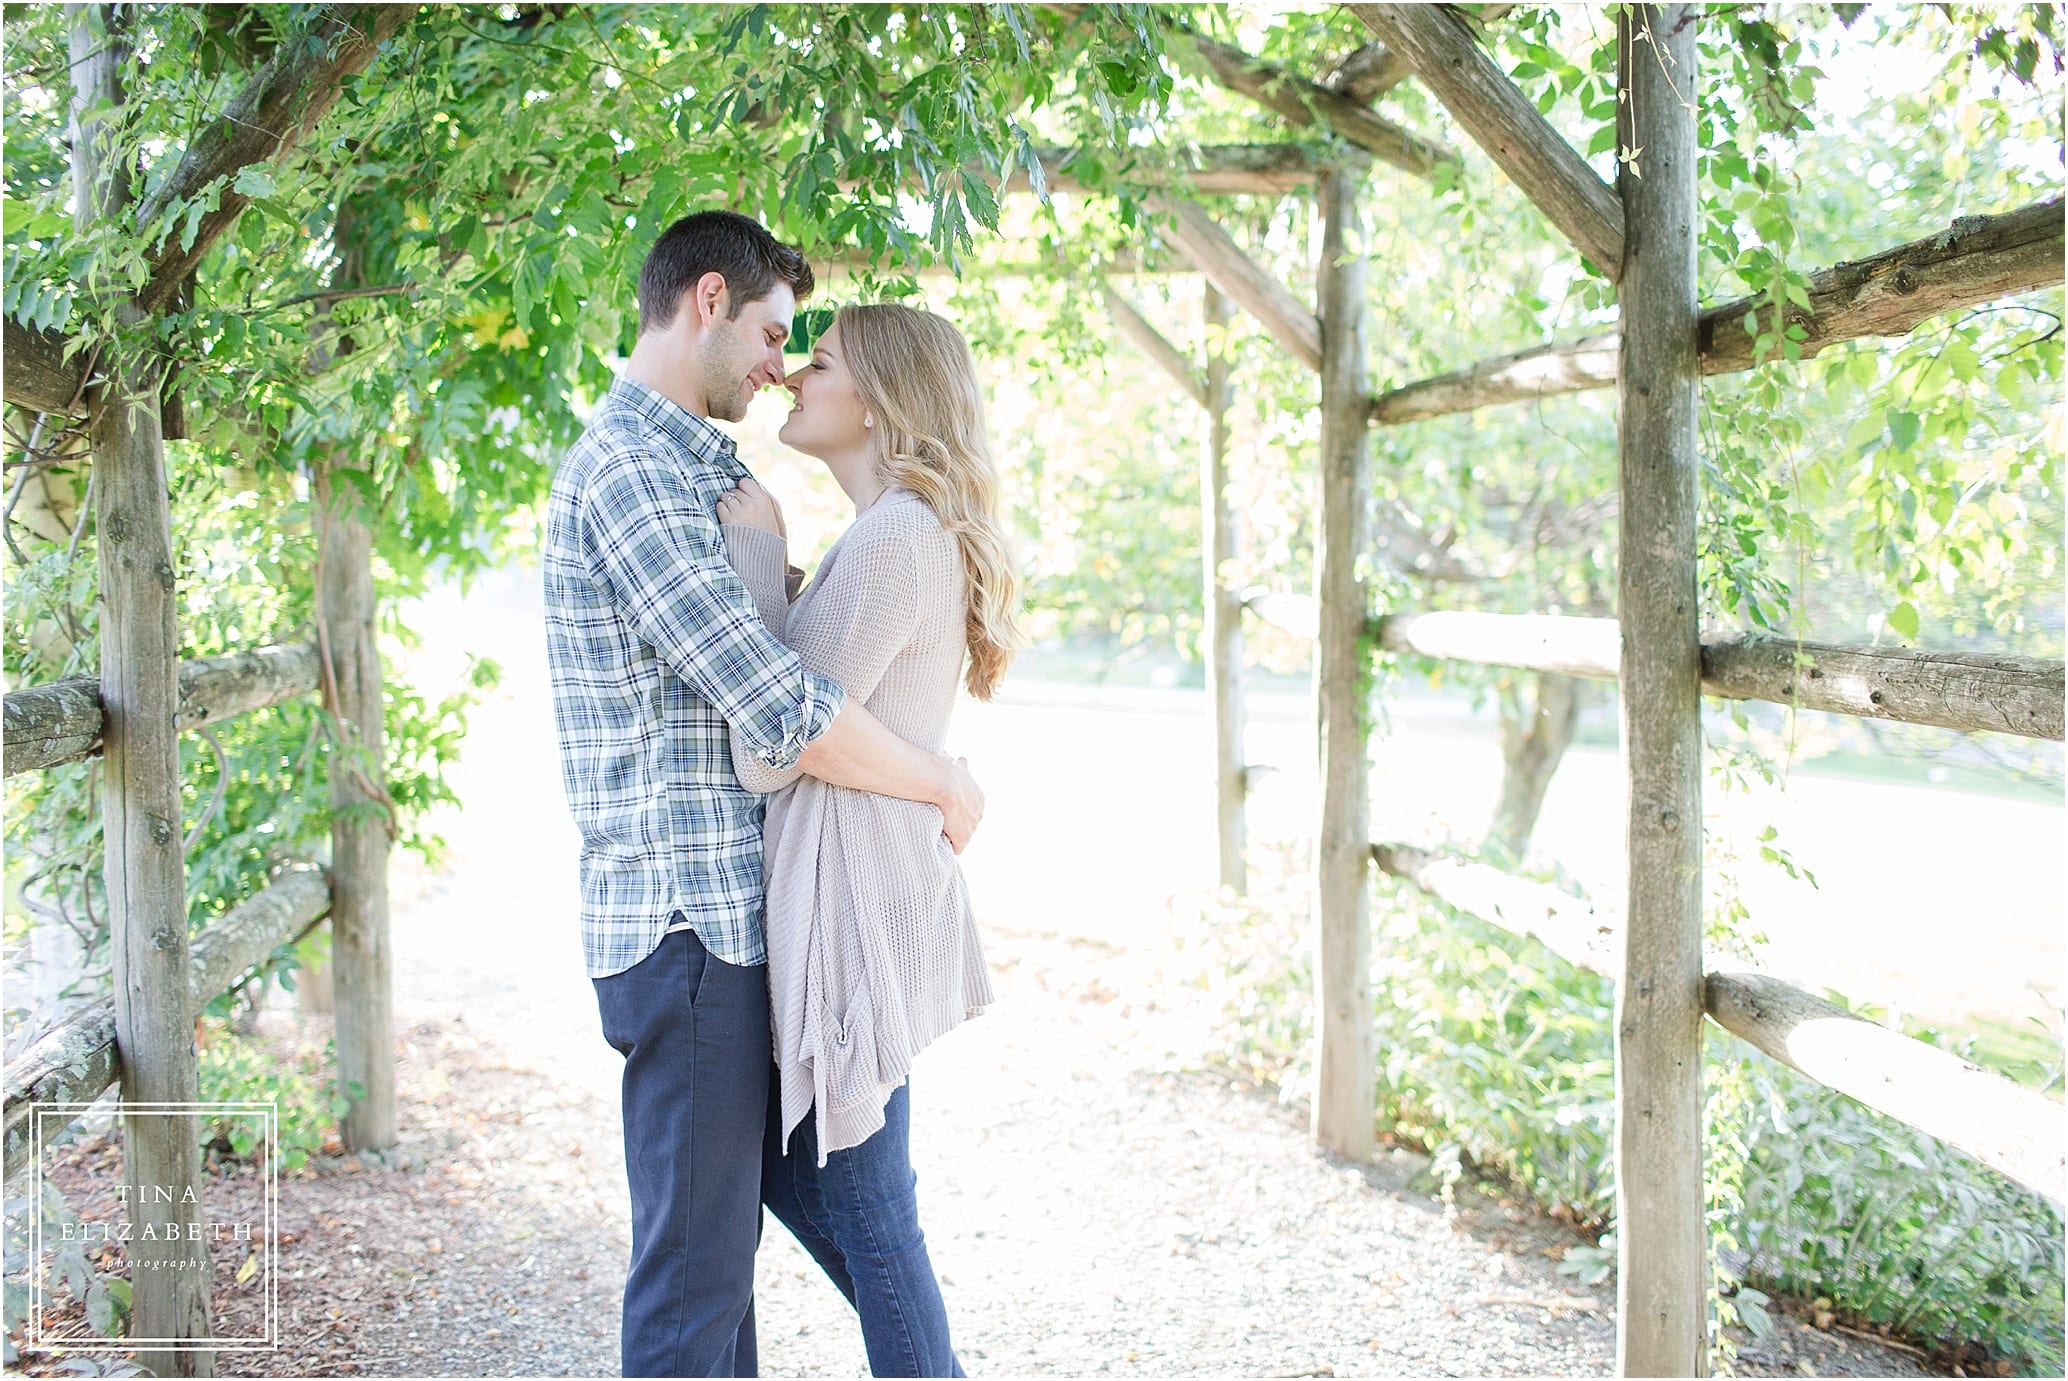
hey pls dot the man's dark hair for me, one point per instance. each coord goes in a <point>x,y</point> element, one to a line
<point>723,242</point>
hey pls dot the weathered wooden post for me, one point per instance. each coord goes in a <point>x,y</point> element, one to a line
<point>1218,539</point>
<point>145,864</point>
<point>1345,1087</point>
<point>1662,1281</point>
<point>361,961</point>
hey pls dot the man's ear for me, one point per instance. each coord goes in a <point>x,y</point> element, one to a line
<point>710,298</point>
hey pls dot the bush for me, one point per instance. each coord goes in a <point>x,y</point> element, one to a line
<point>242,1069</point>
<point>1498,1054</point>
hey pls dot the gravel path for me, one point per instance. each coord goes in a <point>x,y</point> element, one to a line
<point>1093,1205</point>
<point>1092,1209</point>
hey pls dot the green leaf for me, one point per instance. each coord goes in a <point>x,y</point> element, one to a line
<point>100,1310</point>
<point>253,181</point>
<point>1903,619</point>
<point>1903,428</point>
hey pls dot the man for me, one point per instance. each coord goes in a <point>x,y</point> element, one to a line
<point>657,657</point>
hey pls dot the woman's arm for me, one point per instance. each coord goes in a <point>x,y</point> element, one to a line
<point>864,612</point>
<point>761,558</point>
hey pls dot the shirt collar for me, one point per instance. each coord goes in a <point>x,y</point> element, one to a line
<point>696,435</point>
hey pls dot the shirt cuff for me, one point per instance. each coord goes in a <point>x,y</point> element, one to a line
<point>824,698</point>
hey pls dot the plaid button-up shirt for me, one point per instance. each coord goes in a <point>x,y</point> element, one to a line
<point>656,654</point>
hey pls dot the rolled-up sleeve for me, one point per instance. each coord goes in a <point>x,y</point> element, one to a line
<point>661,561</point>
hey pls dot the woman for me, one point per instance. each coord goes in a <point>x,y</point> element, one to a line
<point>873,950</point>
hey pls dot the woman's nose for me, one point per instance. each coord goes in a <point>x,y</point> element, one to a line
<point>795,380</point>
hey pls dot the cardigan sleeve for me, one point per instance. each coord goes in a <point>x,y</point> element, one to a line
<point>862,614</point>
<point>761,558</point>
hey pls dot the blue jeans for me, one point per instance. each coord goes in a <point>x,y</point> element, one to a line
<point>859,1218</point>
<point>694,1033</point>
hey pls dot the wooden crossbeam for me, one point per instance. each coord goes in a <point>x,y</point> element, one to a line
<point>1303,102</point>
<point>280,103</point>
<point>2011,1129</point>
<point>1976,692</point>
<point>283,99</point>
<point>1369,73</point>
<point>1152,342</point>
<point>1260,169</point>
<point>1977,259</point>
<point>1200,238</point>
<point>1577,930</point>
<point>1502,120</point>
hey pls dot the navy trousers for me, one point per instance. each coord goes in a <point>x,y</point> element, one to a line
<point>694,1033</point>
<point>859,1218</point>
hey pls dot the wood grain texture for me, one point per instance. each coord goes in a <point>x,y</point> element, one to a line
<point>361,952</point>
<point>144,867</point>
<point>2014,1130</point>
<point>1303,103</point>
<point>1447,57</point>
<point>273,110</point>
<point>1956,690</point>
<point>1662,1278</point>
<point>1200,239</point>
<point>1345,1082</point>
<point>61,721</point>
<point>1974,260</point>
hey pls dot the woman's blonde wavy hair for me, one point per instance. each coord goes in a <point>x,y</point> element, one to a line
<point>915,376</point>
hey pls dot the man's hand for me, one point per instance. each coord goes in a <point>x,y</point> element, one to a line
<point>962,805</point>
<point>750,505</point>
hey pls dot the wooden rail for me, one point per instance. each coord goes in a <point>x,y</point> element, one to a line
<point>61,722</point>
<point>75,1061</point>
<point>1977,692</point>
<point>2011,1129</point>
<point>1975,260</point>
<point>1990,692</point>
<point>1577,930</point>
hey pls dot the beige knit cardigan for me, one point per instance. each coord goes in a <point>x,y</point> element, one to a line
<point>872,946</point>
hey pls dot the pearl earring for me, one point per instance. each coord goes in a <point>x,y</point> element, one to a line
<point>867,420</point>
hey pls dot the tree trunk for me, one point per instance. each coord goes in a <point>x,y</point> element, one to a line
<point>361,813</point>
<point>1535,732</point>
<point>1219,539</point>
<point>140,793</point>
<point>1662,1283</point>
<point>1346,1089</point>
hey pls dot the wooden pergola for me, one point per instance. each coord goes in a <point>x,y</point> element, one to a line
<point>1640,232</point>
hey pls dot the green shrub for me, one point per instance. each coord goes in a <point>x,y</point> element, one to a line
<point>1496,1053</point>
<point>241,1069</point>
